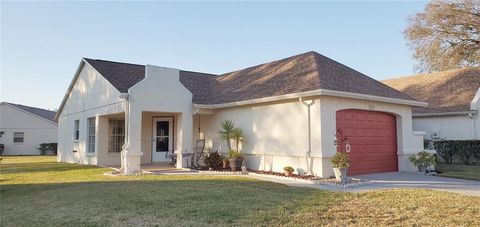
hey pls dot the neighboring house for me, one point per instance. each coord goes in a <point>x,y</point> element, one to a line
<point>26,128</point>
<point>453,99</point>
<point>168,109</point>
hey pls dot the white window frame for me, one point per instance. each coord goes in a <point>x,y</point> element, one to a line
<point>22,137</point>
<point>76,130</point>
<point>91,131</point>
<point>115,140</point>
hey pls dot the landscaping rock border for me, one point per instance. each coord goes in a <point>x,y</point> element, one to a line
<point>351,182</point>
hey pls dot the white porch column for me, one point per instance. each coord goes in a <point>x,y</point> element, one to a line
<point>184,137</point>
<point>131,152</point>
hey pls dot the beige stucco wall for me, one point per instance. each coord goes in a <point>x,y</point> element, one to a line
<point>456,127</point>
<point>160,93</point>
<point>277,132</point>
<point>91,96</point>
<point>36,131</point>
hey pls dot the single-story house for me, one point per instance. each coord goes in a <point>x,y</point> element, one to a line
<point>453,99</point>
<point>25,128</point>
<point>293,112</point>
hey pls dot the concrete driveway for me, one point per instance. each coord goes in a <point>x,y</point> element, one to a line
<point>411,180</point>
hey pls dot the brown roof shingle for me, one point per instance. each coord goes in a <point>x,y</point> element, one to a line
<point>448,91</point>
<point>299,73</point>
<point>121,75</point>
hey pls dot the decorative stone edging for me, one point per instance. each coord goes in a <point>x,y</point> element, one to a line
<point>308,181</point>
<point>360,182</point>
<point>215,172</point>
<point>116,172</point>
<point>347,185</point>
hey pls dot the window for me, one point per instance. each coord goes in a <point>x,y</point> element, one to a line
<point>18,137</point>
<point>76,130</point>
<point>116,136</point>
<point>91,135</point>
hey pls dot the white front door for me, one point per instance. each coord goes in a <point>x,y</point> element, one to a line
<point>162,139</point>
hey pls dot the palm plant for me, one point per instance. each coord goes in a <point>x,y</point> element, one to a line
<point>227,132</point>
<point>238,137</point>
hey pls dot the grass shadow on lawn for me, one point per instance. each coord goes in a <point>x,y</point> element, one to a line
<point>187,201</point>
<point>59,194</point>
<point>41,167</point>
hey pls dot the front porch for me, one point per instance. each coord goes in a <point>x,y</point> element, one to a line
<point>153,138</point>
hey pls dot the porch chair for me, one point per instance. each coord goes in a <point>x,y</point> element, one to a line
<point>194,156</point>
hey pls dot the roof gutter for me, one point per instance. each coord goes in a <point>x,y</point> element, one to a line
<point>318,92</point>
<point>467,112</point>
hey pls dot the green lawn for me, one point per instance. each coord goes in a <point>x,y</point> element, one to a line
<point>471,172</point>
<point>36,191</point>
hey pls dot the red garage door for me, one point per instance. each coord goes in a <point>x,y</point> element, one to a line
<point>373,139</point>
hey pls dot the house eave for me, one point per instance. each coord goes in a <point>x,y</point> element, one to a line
<point>318,92</point>
<point>467,112</point>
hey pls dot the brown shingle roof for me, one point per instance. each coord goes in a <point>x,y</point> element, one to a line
<point>300,73</point>
<point>448,91</point>
<point>121,75</point>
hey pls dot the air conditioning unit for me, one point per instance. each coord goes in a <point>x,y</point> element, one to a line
<point>436,135</point>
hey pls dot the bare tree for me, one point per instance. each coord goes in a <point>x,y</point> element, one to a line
<point>446,35</point>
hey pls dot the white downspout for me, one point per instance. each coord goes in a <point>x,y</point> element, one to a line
<point>309,152</point>
<point>125,97</point>
<point>470,115</point>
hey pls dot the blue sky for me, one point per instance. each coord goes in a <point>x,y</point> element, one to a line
<point>42,43</point>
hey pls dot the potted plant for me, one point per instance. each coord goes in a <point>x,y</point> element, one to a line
<point>226,162</point>
<point>422,160</point>
<point>235,160</point>
<point>340,164</point>
<point>288,171</point>
<point>228,133</point>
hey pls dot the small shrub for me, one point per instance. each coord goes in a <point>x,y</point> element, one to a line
<point>465,149</point>
<point>476,151</point>
<point>214,161</point>
<point>53,147</point>
<point>2,148</point>
<point>340,160</point>
<point>288,169</point>
<point>445,150</point>
<point>44,147</point>
<point>423,158</point>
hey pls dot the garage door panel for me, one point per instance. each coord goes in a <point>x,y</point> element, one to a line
<point>372,136</point>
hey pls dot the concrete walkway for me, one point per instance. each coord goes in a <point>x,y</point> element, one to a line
<point>395,180</point>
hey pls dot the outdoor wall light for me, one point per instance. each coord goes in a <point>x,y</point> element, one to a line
<point>348,147</point>
<point>338,134</point>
